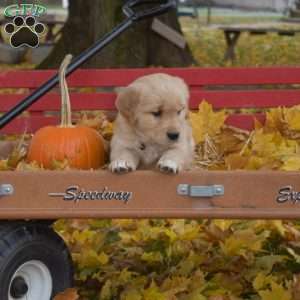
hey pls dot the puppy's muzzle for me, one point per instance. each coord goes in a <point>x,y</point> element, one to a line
<point>173,136</point>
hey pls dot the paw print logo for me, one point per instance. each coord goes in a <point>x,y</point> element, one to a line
<point>24,31</point>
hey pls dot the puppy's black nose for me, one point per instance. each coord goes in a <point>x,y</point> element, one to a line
<point>173,136</point>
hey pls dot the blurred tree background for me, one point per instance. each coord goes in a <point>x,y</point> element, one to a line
<point>139,47</point>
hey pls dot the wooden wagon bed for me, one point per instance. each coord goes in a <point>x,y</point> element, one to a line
<point>191,194</point>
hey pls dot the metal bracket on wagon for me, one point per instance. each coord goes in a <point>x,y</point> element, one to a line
<point>6,190</point>
<point>201,191</point>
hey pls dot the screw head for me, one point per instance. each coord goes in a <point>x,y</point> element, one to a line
<point>219,190</point>
<point>183,189</point>
<point>6,189</point>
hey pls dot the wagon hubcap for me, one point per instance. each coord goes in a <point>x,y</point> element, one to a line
<point>31,281</point>
<point>18,288</point>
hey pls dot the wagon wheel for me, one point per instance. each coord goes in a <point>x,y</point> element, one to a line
<point>35,263</point>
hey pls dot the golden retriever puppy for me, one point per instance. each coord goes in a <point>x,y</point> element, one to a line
<point>152,126</point>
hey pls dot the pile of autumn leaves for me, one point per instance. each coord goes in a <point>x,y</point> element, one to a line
<point>198,259</point>
<point>274,145</point>
<point>183,259</point>
<point>192,259</point>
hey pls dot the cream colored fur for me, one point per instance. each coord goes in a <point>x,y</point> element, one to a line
<point>141,137</point>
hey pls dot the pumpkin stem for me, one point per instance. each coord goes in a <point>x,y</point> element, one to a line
<point>66,114</point>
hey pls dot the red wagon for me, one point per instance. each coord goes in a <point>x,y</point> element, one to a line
<point>45,195</point>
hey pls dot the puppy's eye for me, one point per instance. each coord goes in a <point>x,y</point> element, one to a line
<point>157,114</point>
<point>179,112</point>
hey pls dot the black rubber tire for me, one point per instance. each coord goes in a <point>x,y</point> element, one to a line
<point>23,242</point>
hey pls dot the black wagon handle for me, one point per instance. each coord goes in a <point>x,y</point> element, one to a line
<point>134,13</point>
<point>152,8</point>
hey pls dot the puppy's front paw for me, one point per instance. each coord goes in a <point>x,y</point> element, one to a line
<point>168,166</point>
<point>121,166</point>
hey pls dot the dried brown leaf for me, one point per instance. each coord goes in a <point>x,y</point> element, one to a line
<point>69,294</point>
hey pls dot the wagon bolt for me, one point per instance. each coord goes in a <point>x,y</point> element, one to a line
<point>7,190</point>
<point>219,190</point>
<point>183,189</point>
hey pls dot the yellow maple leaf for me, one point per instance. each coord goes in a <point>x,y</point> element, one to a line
<point>266,263</point>
<point>262,281</point>
<point>275,119</point>
<point>24,166</point>
<point>175,285</point>
<point>103,258</point>
<point>131,294</point>
<point>18,153</point>
<point>269,148</point>
<point>93,120</point>
<point>195,296</point>
<point>235,161</point>
<point>269,289</point>
<point>153,292</point>
<point>277,292</point>
<point>291,163</point>
<point>83,236</point>
<point>106,290</point>
<point>107,130</point>
<point>4,165</point>
<point>277,225</point>
<point>243,241</point>
<point>190,232</point>
<point>224,224</point>
<point>218,297</point>
<point>60,164</point>
<point>91,258</point>
<point>229,282</point>
<point>256,163</point>
<point>292,117</point>
<point>152,257</point>
<point>206,121</point>
<point>257,124</point>
<point>266,144</point>
<point>287,147</point>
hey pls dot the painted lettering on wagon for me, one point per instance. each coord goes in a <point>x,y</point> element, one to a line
<point>286,194</point>
<point>77,194</point>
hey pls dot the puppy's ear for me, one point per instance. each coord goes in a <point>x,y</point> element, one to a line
<point>127,100</point>
<point>186,96</point>
<point>184,89</point>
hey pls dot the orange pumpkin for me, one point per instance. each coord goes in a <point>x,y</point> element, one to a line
<point>81,146</point>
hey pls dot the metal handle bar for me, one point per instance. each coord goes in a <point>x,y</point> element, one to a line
<point>158,7</point>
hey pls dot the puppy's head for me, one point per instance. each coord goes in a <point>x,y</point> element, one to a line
<point>156,106</point>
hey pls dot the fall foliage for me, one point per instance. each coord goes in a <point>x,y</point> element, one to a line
<point>191,259</point>
<point>184,259</point>
<point>274,145</point>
